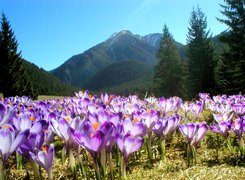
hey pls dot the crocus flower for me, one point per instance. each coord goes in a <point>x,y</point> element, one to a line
<point>6,113</point>
<point>128,144</point>
<point>194,132</point>
<point>166,125</point>
<point>238,127</point>
<point>44,158</point>
<point>221,128</point>
<point>196,108</point>
<point>10,141</point>
<point>188,130</point>
<point>149,118</point>
<point>239,109</point>
<point>202,129</point>
<point>92,137</point>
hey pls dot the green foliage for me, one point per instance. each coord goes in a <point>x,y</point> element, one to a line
<point>168,74</point>
<point>14,79</point>
<point>47,84</point>
<point>118,73</point>
<point>200,63</point>
<point>231,67</point>
<point>140,86</point>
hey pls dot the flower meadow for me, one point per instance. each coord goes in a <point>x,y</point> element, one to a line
<point>103,137</point>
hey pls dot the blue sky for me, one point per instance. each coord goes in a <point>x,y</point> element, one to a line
<point>49,32</point>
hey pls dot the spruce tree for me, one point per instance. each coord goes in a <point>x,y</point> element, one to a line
<point>200,56</point>
<point>14,79</point>
<point>167,77</point>
<point>231,67</point>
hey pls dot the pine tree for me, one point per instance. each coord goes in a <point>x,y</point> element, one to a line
<point>13,77</point>
<point>231,67</point>
<point>167,77</point>
<point>200,56</point>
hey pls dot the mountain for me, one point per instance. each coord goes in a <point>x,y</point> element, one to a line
<point>119,73</point>
<point>80,69</point>
<point>47,84</point>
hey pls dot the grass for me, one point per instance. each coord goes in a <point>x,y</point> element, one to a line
<point>46,97</point>
<point>43,97</point>
<point>214,161</point>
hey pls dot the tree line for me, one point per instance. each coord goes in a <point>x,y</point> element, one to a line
<point>207,68</point>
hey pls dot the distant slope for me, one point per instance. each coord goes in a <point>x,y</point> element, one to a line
<point>122,46</point>
<point>140,86</point>
<point>47,84</point>
<point>118,73</point>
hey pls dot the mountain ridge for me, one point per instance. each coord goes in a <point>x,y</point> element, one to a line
<point>121,46</point>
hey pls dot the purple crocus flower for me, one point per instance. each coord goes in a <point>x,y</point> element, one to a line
<point>92,136</point>
<point>166,105</point>
<point>10,141</point>
<point>134,127</point>
<point>35,140</point>
<point>202,129</point>
<point>44,158</point>
<point>128,144</point>
<point>7,113</point>
<point>223,117</point>
<point>188,130</point>
<point>196,108</point>
<point>239,109</point>
<point>150,117</point>
<point>166,125</point>
<point>238,127</point>
<point>194,132</point>
<point>221,128</point>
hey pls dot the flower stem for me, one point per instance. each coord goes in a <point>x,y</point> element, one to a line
<point>3,172</point>
<point>163,148</point>
<point>50,175</point>
<point>188,154</point>
<point>103,161</point>
<point>18,160</point>
<point>96,167</point>
<point>148,143</point>
<point>72,163</point>
<point>35,169</point>
<point>123,167</point>
<point>80,162</point>
<point>63,154</point>
<point>111,166</point>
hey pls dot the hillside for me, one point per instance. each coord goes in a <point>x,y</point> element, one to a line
<point>47,84</point>
<point>122,46</point>
<point>118,73</point>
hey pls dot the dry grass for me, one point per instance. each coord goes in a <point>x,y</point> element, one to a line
<point>46,97</point>
<point>211,164</point>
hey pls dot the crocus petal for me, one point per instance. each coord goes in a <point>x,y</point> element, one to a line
<point>6,140</point>
<point>2,111</point>
<point>119,139</point>
<point>138,129</point>
<point>64,129</point>
<point>102,116</point>
<point>20,139</point>
<point>97,141</point>
<point>39,126</point>
<point>200,133</point>
<point>25,123</point>
<point>131,144</point>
